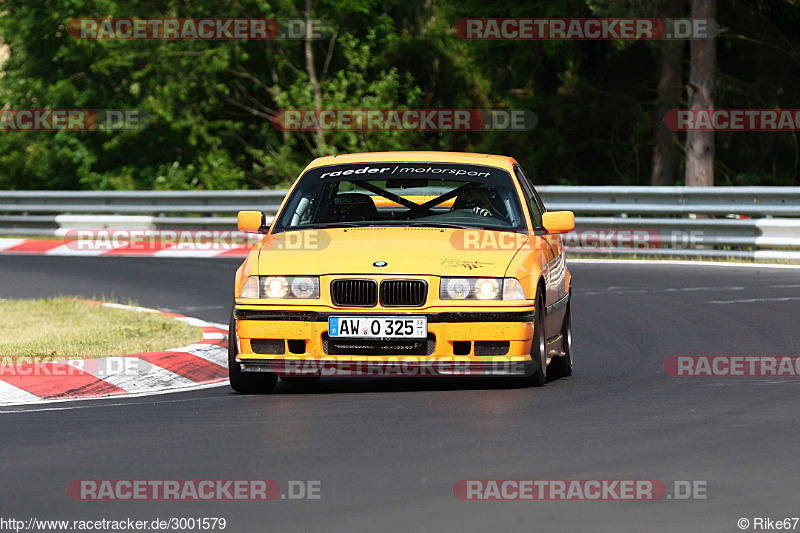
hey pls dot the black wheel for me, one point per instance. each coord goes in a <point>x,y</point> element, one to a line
<point>300,380</point>
<point>246,382</point>
<point>562,366</point>
<point>538,347</point>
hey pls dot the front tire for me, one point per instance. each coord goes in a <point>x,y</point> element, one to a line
<point>538,347</point>
<point>246,382</point>
<point>563,365</point>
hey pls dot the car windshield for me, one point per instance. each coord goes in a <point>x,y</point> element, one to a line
<point>403,194</point>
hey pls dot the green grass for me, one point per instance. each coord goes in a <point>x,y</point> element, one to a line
<point>65,328</point>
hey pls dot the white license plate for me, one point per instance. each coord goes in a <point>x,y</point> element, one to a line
<point>378,327</point>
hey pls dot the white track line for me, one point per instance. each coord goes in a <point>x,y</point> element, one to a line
<point>756,300</point>
<point>104,401</point>
<point>130,307</point>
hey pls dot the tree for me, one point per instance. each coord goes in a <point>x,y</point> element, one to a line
<point>701,91</point>
<point>599,103</point>
<point>665,158</point>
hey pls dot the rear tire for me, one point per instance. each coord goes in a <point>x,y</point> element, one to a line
<point>562,366</point>
<point>246,382</point>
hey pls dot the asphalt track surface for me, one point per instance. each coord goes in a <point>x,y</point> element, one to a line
<point>388,451</point>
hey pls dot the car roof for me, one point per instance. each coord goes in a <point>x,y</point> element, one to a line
<point>500,161</point>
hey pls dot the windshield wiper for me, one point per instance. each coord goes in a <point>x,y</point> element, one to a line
<point>441,225</point>
<point>351,224</point>
<point>388,224</point>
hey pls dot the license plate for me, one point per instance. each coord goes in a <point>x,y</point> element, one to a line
<point>378,327</point>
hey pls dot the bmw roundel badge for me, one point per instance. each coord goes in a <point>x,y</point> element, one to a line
<point>380,264</point>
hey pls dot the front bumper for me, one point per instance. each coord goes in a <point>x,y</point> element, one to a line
<point>468,343</point>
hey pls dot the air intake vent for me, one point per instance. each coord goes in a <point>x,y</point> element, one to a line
<point>377,347</point>
<point>403,292</point>
<point>354,292</point>
<point>268,346</point>
<point>491,347</point>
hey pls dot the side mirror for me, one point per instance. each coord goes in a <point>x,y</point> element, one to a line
<point>559,221</point>
<point>250,221</point>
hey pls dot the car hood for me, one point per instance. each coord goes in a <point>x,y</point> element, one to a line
<point>409,251</point>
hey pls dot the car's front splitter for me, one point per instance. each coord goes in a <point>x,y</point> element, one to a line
<point>388,367</point>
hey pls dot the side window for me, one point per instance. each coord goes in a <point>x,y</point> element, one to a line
<point>535,204</point>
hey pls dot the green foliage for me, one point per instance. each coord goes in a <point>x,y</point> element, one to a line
<point>210,101</point>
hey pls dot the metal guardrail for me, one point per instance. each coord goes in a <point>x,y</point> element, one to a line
<point>751,201</point>
<point>139,202</point>
<point>678,220</point>
<point>661,201</point>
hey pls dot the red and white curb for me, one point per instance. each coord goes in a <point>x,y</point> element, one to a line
<point>118,249</point>
<point>192,366</point>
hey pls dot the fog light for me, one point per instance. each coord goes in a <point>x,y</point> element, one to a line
<point>305,287</point>
<point>458,288</point>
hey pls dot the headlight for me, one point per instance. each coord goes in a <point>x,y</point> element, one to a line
<point>480,289</point>
<point>276,287</point>
<point>487,289</point>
